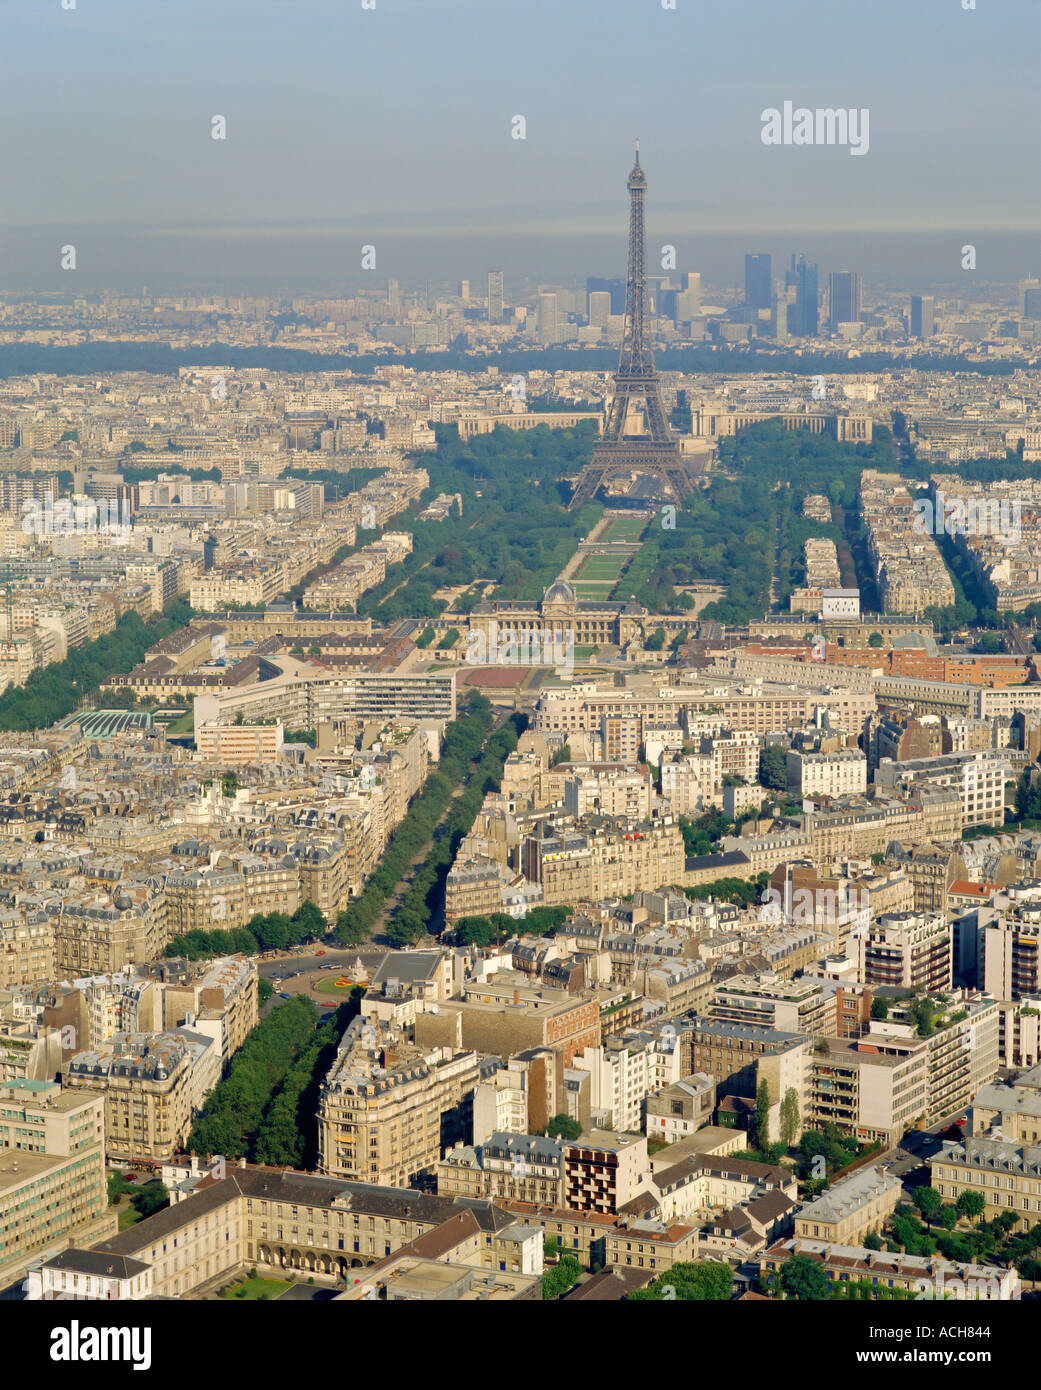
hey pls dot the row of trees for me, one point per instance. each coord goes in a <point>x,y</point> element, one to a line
<point>273,932</point>
<point>464,739</point>
<point>423,904</point>
<point>288,1133</point>
<point>97,357</point>
<point>230,1121</point>
<point>729,890</point>
<point>52,692</point>
<point>499,926</point>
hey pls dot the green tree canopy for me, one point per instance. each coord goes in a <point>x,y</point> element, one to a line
<point>803,1278</point>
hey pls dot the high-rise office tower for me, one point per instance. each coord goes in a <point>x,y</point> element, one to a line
<point>599,308</point>
<point>783,314</point>
<point>803,277</point>
<point>922,316</point>
<point>843,297</point>
<point>546,322</point>
<point>464,291</point>
<point>615,287</point>
<point>495,296</point>
<point>394,294</point>
<point>757,282</point>
<point>1030,299</point>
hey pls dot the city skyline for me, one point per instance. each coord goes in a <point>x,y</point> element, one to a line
<point>115,152</point>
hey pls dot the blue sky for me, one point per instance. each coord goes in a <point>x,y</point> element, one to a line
<point>352,124</point>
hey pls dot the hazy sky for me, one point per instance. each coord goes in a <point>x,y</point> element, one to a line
<point>393,126</point>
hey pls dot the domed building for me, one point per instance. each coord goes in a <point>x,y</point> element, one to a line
<point>560,592</point>
<point>561,617</point>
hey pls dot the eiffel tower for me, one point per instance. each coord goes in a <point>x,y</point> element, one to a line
<point>617,454</point>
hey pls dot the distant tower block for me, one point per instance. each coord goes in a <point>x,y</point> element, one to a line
<point>637,389</point>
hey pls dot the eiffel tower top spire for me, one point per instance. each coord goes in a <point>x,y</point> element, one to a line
<point>637,179</point>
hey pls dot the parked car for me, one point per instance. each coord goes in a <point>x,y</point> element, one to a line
<point>319,953</point>
<point>283,996</point>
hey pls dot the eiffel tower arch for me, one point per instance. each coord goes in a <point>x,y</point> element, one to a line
<point>655,453</point>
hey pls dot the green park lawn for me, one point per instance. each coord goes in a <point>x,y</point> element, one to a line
<point>252,1289</point>
<point>625,529</point>
<point>182,726</point>
<point>605,568</point>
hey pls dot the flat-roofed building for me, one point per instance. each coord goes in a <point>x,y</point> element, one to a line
<point>239,743</point>
<point>52,1171</point>
<point>907,950</point>
<point>787,1006</point>
<point>603,1171</point>
<point>1013,1108</point>
<point>874,1088</point>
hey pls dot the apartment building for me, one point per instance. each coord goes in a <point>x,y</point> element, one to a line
<point>387,1113</point>
<point>603,1171</point>
<point>99,933</point>
<point>680,1110</point>
<point>858,827</point>
<point>151,1086</point>
<point>27,950</point>
<point>760,708</point>
<point>229,895</point>
<point>739,1056</point>
<point>506,1018</point>
<point>624,1071</point>
<point>234,744</point>
<point>978,777</point>
<point>841,773</point>
<point>906,950</point>
<point>222,992</point>
<point>1011,1108</point>
<point>909,570</point>
<point>609,789</point>
<point>689,782</point>
<point>599,860</point>
<point>520,1167</point>
<point>786,1006</point>
<point>1009,954</point>
<point>871,1087</point>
